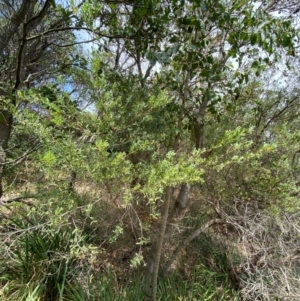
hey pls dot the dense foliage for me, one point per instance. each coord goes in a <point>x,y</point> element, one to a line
<point>149,150</point>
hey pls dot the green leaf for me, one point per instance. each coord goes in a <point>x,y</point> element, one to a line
<point>253,39</point>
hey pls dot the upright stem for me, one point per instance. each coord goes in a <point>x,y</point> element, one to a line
<point>160,243</point>
<point>5,128</point>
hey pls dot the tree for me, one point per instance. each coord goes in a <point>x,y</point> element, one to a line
<point>200,47</point>
<point>27,44</point>
<point>196,51</point>
<point>201,122</point>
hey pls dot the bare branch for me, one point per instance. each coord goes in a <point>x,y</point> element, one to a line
<point>13,24</point>
<point>21,158</point>
<point>189,239</point>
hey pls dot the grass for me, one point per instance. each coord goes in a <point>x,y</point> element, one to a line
<point>48,262</point>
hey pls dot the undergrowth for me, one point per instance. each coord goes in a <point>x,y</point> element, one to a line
<point>46,263</point>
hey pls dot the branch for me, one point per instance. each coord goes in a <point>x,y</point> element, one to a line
<point>39,17</point>
<point>75,43</point>
<point>189,239</point>
<point>118,36</point>
<point>26,24</point>
<point>21,158</point>
<point>276,115</point>
<point>11,28</point>
<point>20,61</point>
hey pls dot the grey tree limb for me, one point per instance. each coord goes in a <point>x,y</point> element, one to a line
<point>191,237</point>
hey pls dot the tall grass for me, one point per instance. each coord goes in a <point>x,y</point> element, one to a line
<point>39,264</point>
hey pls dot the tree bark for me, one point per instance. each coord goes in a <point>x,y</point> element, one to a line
<point>154,261</point>
<point>5,129</point>
<point>181,202</point>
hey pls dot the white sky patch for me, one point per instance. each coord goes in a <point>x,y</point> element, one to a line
<point>88,47</point>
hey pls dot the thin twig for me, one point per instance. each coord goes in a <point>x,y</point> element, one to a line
<point>21,158</point>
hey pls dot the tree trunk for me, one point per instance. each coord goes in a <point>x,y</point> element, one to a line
<point>5,128</point>
<point>154,261</point>
<point>181,202</point>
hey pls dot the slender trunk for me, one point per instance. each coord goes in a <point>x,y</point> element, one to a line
<point>160,243</point>
<point>181,202</point>
<point>5,128</point>
<point>199,134</point>
<point>154,262</point>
